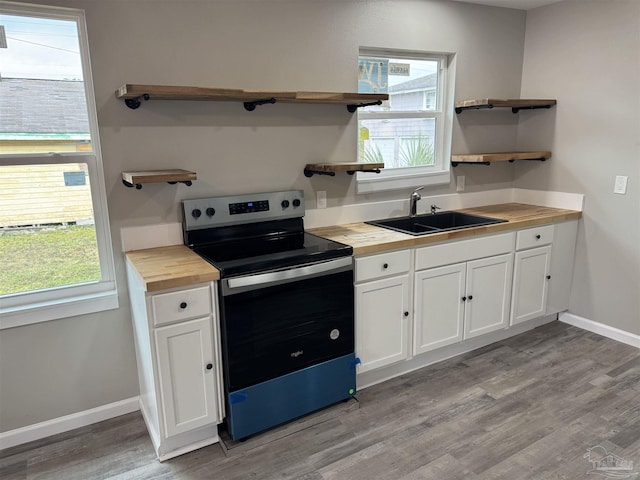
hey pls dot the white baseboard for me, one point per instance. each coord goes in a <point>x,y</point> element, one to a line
<point>68,422</point>
<point>601,329</point>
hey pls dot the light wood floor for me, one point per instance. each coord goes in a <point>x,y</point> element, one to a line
<point>525,408</point>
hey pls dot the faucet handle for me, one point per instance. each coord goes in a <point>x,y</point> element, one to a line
<point>434,208</point>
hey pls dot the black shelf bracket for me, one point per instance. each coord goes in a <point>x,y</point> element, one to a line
<point>251,106</point>
<point>455,164</point>
<point>541,159</point>
<point>134,103</point>
<point>186,182</point>
<point>354,106</point>
<point>310,173</point>
<point>489,106</point>
<point>131,185</point>
<point>532,107</point>
<point>478,107</point>
<point>351,172</point>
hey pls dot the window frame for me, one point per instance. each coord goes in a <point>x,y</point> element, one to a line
<point>24,308</point>
<point>410,177</point>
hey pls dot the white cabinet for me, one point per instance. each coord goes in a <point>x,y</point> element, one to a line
<point>459,295</point>
<point>561,270</point>
<point>464,294</point>
<point>382,309</point>
<point>530,284</point>
<point>187,378</point>
<point>488,295</point>
<point>461,301</point>
<point>179,366</point>
<point>531,273</point>
<point>439,308</point>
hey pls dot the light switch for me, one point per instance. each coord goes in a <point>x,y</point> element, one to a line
<point>620,186</point>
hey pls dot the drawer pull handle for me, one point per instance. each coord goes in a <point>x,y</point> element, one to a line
<point>464,299</point>
<point>548,277</point>
<point>209,366</point>
<point>538,237</point>
<point>470,297</point>
<point>183,305</point>
<point>385,266</point>
<point>406,314</point>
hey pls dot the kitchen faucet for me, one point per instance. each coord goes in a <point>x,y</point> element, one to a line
<point>413,202</point>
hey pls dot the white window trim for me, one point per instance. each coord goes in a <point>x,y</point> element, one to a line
<point>403,178</point>
<point>67,301</point>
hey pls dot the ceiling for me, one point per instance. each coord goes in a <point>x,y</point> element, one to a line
<point>519,4</point>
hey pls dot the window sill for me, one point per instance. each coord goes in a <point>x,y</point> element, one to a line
<point>390,180</point>
<point>57,309</point>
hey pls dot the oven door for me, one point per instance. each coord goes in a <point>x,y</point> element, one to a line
<point>278,322</point>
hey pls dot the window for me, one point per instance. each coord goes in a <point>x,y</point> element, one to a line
<point>411,132</point>
<point>56,258</point>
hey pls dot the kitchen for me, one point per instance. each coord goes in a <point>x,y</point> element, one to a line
<point>584,54</point>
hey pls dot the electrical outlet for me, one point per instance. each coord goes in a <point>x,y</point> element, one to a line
<point>460,183</point>
<point>321,199</point>
<point>620,186</point>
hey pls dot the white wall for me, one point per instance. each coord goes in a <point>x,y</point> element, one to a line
<point>587,55</point>
<point>56,368</point>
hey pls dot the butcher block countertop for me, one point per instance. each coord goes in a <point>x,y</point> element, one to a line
<point>367,239</point>
<point>169,267</point>
<point>177,266</point>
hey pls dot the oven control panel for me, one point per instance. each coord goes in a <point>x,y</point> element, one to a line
<point>249,207</point>
<point>199,213</point>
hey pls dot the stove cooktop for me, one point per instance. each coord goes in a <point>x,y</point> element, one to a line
<point>254,256</point>
<point>250,233</point>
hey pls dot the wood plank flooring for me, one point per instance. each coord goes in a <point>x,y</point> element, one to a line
<point>525,408</point>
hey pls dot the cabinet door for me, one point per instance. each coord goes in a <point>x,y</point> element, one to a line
<point>439,308</point>
<point>488,292</point>
<point>187,372</point>
<point>382,322</point>
<point>530,284</point>
<point>561,270</point>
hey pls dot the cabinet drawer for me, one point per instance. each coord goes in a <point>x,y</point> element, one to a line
<point>534,237</point>
<point>181,304</point>
<point>383,265</point>
<point>464,250</point>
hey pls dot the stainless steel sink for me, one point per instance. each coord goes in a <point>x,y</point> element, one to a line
<point>434,223</point>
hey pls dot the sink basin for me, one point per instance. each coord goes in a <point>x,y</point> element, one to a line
<point>434,223</point>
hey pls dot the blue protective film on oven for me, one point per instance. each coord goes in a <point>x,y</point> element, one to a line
<point>284,398</point>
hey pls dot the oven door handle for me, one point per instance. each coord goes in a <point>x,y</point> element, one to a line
<point>285,276</point>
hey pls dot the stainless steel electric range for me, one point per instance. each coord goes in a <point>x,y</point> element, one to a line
<point>286,307</point>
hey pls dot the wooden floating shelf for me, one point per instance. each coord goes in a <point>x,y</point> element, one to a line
<point>514,103</point>
<point>487,158</point>
<point>136,179</point>
<point>133,94</point>
<point>331,168</point>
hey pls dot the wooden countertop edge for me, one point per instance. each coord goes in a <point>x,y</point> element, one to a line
<point>410,241</point>
<point>180,267</point>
